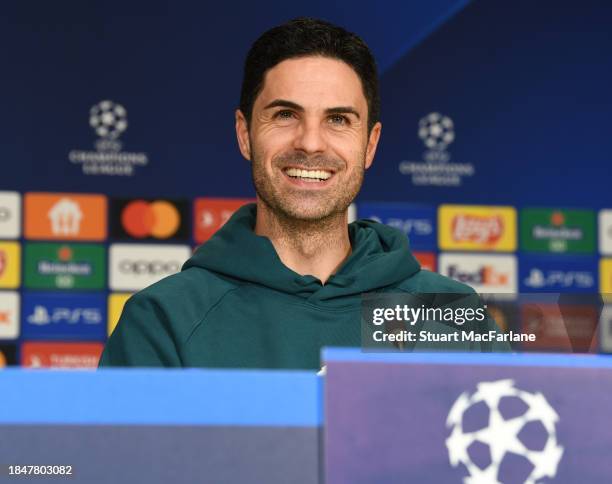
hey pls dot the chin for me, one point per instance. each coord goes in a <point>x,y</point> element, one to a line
<point>310,214</point>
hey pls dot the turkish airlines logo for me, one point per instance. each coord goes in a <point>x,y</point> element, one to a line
<point>136,266</point>
<point>60,355</point>
<point>482,230</point>
<point>212,213</point>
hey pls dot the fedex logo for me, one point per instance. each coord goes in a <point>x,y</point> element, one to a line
<point>485,273</point>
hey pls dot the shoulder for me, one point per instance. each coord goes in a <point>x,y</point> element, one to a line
<point>181,300</point>
<point>426,281</point>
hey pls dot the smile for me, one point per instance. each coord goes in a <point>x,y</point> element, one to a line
<point>308,175</point>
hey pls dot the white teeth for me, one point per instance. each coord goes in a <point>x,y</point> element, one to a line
<point>309,174</point>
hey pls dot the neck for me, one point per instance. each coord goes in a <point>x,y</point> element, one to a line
<point>316,248</point>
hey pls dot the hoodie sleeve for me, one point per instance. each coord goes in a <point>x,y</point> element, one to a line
<point>141,337</point>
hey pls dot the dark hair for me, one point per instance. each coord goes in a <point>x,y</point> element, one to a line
<point>302,37</point>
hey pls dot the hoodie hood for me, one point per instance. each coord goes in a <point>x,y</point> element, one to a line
<point>380,257</point>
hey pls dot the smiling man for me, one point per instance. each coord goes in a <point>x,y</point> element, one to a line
<point>284,277</point>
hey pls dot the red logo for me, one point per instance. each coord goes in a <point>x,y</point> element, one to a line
<point>61,355</point>
<point>473,228</point>
<point>5,317</point>
<point>427,260</point>
<point>159,219</point>
<point>212,213</point>
<point>2,262</point>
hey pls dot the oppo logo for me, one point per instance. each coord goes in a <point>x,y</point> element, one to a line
<point>149,267</point>
<point>5,214</point>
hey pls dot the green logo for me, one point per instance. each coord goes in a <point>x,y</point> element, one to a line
<point>65,266</point>
<point>558,231</point>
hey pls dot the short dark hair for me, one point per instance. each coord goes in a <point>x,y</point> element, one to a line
<point>302,37</point>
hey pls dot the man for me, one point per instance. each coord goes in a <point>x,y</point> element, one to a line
<point>284,277</point>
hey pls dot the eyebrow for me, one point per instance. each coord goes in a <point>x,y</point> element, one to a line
<point>290,104</point>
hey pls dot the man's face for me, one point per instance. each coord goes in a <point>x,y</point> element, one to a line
<point>308,140</point>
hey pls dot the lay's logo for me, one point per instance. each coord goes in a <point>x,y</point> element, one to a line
<point>479,228</point>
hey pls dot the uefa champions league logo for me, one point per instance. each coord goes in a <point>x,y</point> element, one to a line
<point>502,435</point>
<point>437,132</point>
<point>109,121</point>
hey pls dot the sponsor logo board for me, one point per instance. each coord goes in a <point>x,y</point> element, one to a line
<point>561,231</point>
<point>64,266</point>
<point>558,274</point>
<point>151,219</point>
<point>65,216</point>
<point>116,302</point>
<point>605,232</point>
<point>136,266</point>
<point>10,265</point>
<point>8,355</point>
<point>559,327</point>
<point>485,273</point>
<point>427,260</point>
<point>605,278</point>
<point>605,329</point>
<point>10,215</point>
<point>36,354</point>
<point>64,316</point>
<point>478,228</point>
<point>9,315</point>
<point>210,214</point>
<point>418,222</point>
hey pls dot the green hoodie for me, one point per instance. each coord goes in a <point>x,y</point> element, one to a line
<point>235,304</point>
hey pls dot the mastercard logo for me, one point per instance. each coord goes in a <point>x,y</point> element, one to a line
<point>2,360</point>
<point>159,219</point>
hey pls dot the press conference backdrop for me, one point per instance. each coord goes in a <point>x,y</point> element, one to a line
<point>118,153</point>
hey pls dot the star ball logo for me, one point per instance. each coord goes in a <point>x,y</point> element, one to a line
<point>504,433</point>
<point>437,132</point>
<point>141,219</point>
<point>109,120</point>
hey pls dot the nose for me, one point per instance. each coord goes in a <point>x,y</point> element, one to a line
<point>310,137</point>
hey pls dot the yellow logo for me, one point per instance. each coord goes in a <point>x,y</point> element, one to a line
<point>476,227</point>
<point>605,278</point>
<point>115,307</point>
<point>10,265</point>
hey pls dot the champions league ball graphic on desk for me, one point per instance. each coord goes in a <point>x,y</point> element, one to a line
<point>503,436</point>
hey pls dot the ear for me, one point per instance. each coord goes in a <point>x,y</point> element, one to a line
<point>372,144</point>
<point>242,134</point>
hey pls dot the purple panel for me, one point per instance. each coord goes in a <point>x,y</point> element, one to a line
<point>386,422</point>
